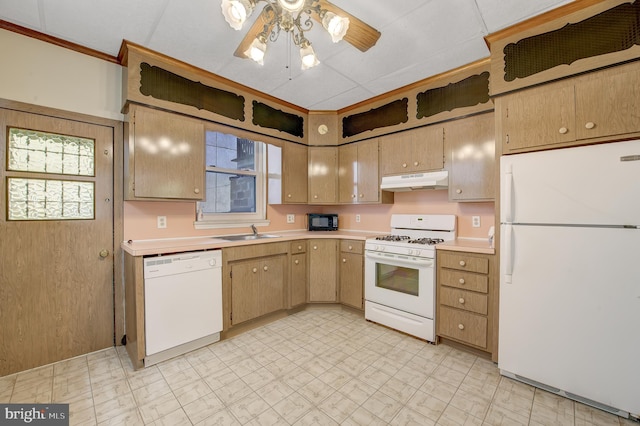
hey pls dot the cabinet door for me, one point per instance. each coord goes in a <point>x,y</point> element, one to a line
<point>245,291</point>
<point>427,151</point>
<point>272,284</point>
<point>538,117</point>
<point>471,146</point>
<point>368,177</point>
<point>348,166</point>
<point>168,155</point>
<point>323,178</point>
<point>351,279</point>
<point>609,105</point>
<point>322,270</point>
<point>395,153</point>
<point>298,281</point>
<point>294,165</point>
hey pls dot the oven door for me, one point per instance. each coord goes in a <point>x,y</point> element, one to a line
<point>402,282</point>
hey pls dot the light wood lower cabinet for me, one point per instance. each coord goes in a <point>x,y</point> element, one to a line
<point>323,272</point>
<point>351,273</point>
<point>466,309</point>
<point>298,274</point>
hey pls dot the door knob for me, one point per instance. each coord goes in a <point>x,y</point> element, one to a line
<point>104,253</point>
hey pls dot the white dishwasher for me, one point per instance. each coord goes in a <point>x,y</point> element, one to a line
<point>182,303</point>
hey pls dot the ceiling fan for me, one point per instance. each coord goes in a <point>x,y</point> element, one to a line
<point>295,17</point>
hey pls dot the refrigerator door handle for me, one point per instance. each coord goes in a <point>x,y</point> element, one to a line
<point>508,253</point>
<point>508,195</point>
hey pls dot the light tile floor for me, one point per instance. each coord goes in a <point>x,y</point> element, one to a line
<point>316,367</point>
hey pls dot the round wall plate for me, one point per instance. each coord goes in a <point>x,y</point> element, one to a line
<point>323,129</point>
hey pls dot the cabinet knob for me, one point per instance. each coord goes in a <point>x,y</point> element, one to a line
<point>461,326</point>
<point>344,260</point>
<point>315,247</point>
<point>461,280</point>
<point>266,268</point>
<point>461,300</point>
<point>563,130</point>
<point>315,196</point>
<point>254,270</point>
<point>416,163</point>
<point>299,247</point>
<point>361,195</point>
<point>590,125</point>
<point>296,261</point>
<point>463,263</point>
<point>196,190</point>
<point>288,195</point>
<point>404,164</point>
<point>353,195</point>
<point>458,191</point>
<point>103,253</point>
<point>350,247</point>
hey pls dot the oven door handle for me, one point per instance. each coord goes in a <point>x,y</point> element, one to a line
<point>399,260</point>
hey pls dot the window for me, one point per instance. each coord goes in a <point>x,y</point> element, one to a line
<point>235,194</point>
<point>47,198</point>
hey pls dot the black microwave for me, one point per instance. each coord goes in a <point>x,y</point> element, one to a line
<point>322,222</point>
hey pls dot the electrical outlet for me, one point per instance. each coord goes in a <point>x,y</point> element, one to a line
<point>291,218</point>
<point>358,218</point>
<point>162,222</point>
<point>475,221</point>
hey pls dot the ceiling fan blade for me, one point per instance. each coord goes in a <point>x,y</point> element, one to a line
<point>252,33</point>
<point>360,34</point>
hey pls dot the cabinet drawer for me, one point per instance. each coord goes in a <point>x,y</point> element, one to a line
<point>464,262</point>
<point>465,300</point>
<point>298,247</point>
<point>464,326</point>
<point>464,280</point>
<point>351,246</point>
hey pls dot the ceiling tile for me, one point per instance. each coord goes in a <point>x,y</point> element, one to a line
<point>499,14</point>
<point>23,12</point>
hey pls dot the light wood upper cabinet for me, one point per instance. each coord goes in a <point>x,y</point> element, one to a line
<point>323,272</point>
<point>323,176</point>
<point>413,151</point>
<point>595,107</point>
<point>165,156</point>
<point>358,177</point>
<point>287,169</point>
<point>470,146</point>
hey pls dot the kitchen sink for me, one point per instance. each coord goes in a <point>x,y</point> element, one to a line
<point>246,237</point>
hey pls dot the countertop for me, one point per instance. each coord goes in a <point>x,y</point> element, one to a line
<point>177,245</point>
<point>469,245</point>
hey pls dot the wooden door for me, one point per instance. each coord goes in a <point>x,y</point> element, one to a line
<point>351,279</point>
<point>298,281</point>
<point>368,177</point>
<point>538,117</point>
<point>348,173</point>
<point>395,153</point>
<point>471,147</point>
<point>245,291</point>
<point>609,105</point>
<point>169,153</point>
<point>322,270</point>
<point>294,169</point>
<point>323,178</point>
<point>56,245</point>
<point>427,149</point>
<point>272,284</point>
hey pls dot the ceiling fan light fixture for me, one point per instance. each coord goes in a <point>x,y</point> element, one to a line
<point>236,12</point>
<point>308,57</point>
<point>335,25</point>
<point>292,5</point>
<point>257,50</point>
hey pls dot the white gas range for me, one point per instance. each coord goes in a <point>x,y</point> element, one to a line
<point>399,276</point>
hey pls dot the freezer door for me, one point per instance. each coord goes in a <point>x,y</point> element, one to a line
<point>570,312</point>
<point>597,184</point>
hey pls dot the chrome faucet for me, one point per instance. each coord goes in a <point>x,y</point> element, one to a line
<point>254,229</point>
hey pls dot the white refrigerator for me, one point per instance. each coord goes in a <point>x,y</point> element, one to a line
<point>570,273</point>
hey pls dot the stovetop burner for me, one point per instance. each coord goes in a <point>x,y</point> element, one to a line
<point>429,241</point>
<point>393,238</point>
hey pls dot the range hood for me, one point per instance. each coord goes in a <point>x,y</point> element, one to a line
<point>416,181</point>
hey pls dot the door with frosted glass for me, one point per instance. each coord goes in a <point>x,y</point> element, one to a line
<point>56,245</point>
